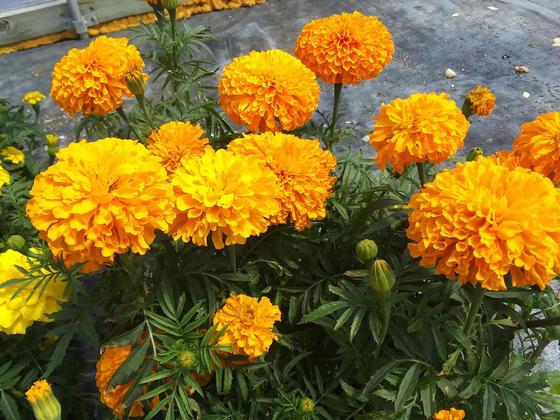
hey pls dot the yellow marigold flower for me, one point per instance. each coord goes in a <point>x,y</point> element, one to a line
<point>109,362</point>
<point>268,91</point>
<point>422,127</point>
<point>13,155</point>
<point>93,80</point>
<point>33,98</point>
<point>482,220</point>
<point>101,199</point>
<point>303,170</point>
<point>481,101</point>
<point>175,140</point>
<point>538,146</point>
<point>249,322</point>
<point>347,48</point>
<point>452,414</point>
<point>52,139</point>
<point>43,402</point>
<point>17,314</point>
<point>223,195</point>
<point>4,177</point>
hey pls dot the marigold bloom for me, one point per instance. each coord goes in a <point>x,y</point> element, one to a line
<point>13,155</point>
<point>52,139</point>
<point>482,220</point>
<point>538,146</point>
<point>43,402</point>
<point>221,194</point>
<point>33,98</point>
<point>175,140</point>
<point>249,322</point>
<point>101,199</point>
<point>347,48</point>
<point>452,414</point>
<point>17,314</point>
<point>424,126</point>
<point>303,170</point>
<point>268,91</point>
<point>4,177</point>
<point>109,362</point>
<point>93,80</point>
<point>481,101</point>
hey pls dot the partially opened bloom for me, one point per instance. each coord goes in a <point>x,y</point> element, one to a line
<point>482,221</point>
<point>268,91</point>
<point>347,48</point>
<point>4,177</point>
<point>12,154</point>
<point>93,80</point>
<point>422,127</point>
<point>52,139</point>
<point>176,140</point>
<point>538,146</point>
<point>100,199</point>
<point>18,313</point>
<point>43,401</point>
<point>249,324</point>
<point>451,414</point>
<point>481,101</point>
<point>223,195</point>
<point>33,98</point>
<point>303,170</point>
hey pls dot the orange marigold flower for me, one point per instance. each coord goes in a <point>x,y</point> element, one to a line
<point>347,48</point>
<point>482,221</point>
<point>538,146</point>
<point>303,170</point>
<point>452,414</point>
<point>268,91</point>
<point>221,194</point>
<point>109,362</point>
<point>481,101</point>
<point>93,80</point>
<point>249,322</point>
<point>424,126</point>
<point>175,140</point>
<point>101,199</point>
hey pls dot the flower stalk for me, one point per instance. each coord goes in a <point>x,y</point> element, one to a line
<point>336,105</point>
<point>476,301</point>
<point>421,173</point>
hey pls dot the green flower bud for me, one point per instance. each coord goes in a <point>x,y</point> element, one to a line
<point>474,153</point>
<point>366,250</point>
<point>16,242</point>
<point>382,277</point>
<point>136,84</point>
<point>43,402</point>
<point>170,4</point>
<point>306,405</point>
<point>187,359</point>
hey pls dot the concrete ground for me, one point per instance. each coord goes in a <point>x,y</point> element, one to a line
<point>481,40</point>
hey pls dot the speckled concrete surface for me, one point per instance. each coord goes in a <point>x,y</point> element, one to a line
<point>481,40</point>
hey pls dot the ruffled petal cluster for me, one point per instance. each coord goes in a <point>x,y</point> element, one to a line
<point>483,221</point>
<point>101,199</point>
<point>451,414</point>
<point>481,101</point>
<point>93,80</point>
<point>249,324</point>
<point>538,146</point>
<point>175,140</point>
<point>4,177</point>
<point>303,170</point>
<point>13,155</point>
<point>33,98</point>
<point>225,196</point>
<point>347,48</point>
<point>422,127</point>
<point>268,91</point>
<point>17,314</point>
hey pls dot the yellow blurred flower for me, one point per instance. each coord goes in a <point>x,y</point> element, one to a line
<point>221,194</point>
<point>347,48</point>
<point>4,177</point>
<point>93,80</point>
<point>268,91</point>
<point>52,139</point>
<point>175,140</point>
<point>422,127</point>
<point>13,155</point>
<point>481,221</point>
<point>303,170</point>
<point>19,313</point>
<point>451,414</point>
<point>101,199</point>
<point>33,98</point>
<point>43,402</point>
<point>249,322</point>
<point>481,101</point>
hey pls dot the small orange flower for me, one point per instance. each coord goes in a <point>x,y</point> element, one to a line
<point>346,48</point>
<point>451,414</point>
<point>268,91</point>
<point>481,101</point>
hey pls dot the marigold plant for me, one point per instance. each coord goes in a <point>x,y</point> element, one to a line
<point>451,414</point>
<point>268,91</point>
<point>4,177</point>
<point>33,98</point>
<point>481,101</point>
<point>13,155</point>
<point>347,48</point>
<point>423,127</point>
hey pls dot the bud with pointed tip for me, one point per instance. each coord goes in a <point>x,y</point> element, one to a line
<point>170,4</point>
<point>43,402</point>
<point>366,250</point>
<point>136,83</point>
<point>382,277</point>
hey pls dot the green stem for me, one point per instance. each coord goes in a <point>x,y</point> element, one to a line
<point>142,102</point>
<point>476,301</point>
<point>336,104</point>
<point>232,252</point>
<point>539,323</point>
<point>174,58</point>
<point>123,116</point>
<point>421,173</point>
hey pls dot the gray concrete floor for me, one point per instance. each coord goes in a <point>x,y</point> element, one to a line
<point>481,40</point>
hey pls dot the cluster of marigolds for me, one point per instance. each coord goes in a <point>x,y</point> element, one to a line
<point>479,221</point>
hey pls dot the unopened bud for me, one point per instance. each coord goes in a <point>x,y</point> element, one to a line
<point>16,242</point>
<point>382,277</point>
<point>136,83</point>
<point>43,402</point>
<point>474,153</point>
<point>187,359</point>
<point>366,250</point>
<point>306,405</point>
<point>52,139</point>
<point>170,4</point>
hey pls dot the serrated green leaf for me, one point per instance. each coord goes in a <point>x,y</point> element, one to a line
<point>407,386</point>
<point>323,311</point>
